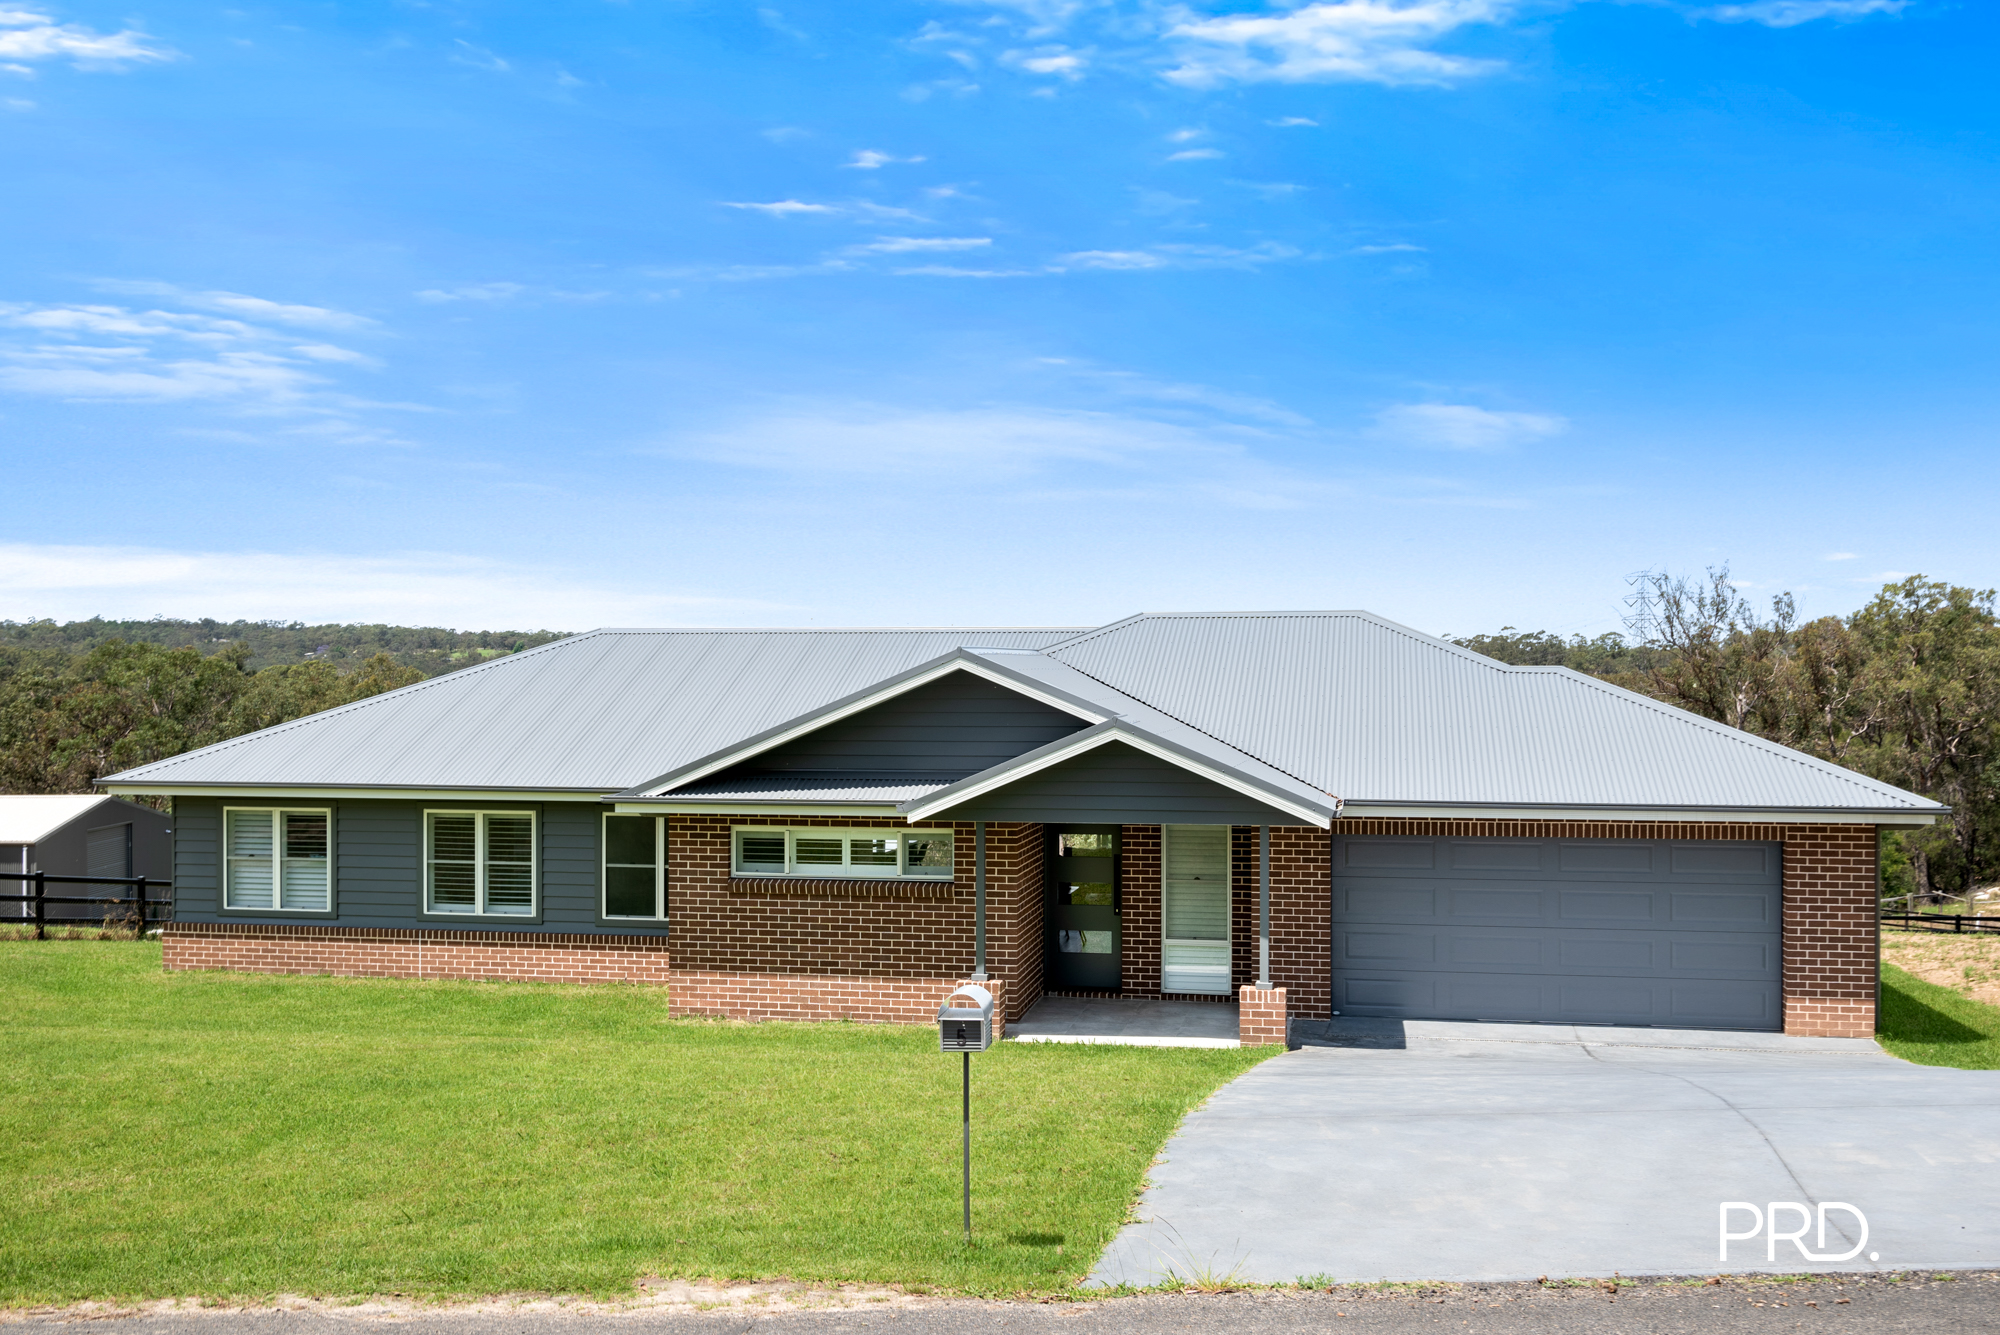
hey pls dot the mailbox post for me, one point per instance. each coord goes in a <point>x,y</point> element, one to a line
<point>966,1029</point>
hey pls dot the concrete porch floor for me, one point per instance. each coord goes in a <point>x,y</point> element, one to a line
<point>1128,1021</point>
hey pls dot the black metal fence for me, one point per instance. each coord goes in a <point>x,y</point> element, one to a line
<point>1937,922</point>
<point>149,902</point>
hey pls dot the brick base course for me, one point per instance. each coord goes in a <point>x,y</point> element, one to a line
<point>1260,1017</point>
<point>778,996</point>
<point>386,952</point>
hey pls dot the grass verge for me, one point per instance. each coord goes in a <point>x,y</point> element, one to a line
<point>1935,1026</point>
<point>230,1135</point>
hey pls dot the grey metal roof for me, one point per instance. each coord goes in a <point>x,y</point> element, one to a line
<point>847,787</point>
<point>596,712</point>
<point>1307,704</point>
<point>1381,714</point>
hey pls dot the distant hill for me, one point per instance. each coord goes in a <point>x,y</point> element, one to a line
<point>431,650</point>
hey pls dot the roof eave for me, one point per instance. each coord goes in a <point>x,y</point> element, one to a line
<point>1390,809</point>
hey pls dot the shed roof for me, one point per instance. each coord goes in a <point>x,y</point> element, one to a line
<point>30,818</point>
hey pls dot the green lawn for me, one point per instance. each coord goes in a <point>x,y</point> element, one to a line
<point>223,1134</point>
<point>1935,1026</point>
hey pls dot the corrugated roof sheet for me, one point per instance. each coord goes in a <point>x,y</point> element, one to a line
<point>27,818</point>
<point>1377,712</point>
<point>596,712</point>
<point>1318,702</point>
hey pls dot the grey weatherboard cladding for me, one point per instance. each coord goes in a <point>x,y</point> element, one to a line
<point>1115,784</point>
<point>378,867</point>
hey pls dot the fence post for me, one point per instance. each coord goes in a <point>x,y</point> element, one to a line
<point>139,890</point>
<point>41,910</point>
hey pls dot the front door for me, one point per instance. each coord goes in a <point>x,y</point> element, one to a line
<point>1086,940</point>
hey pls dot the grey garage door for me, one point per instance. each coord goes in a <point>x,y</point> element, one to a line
<point>1562,930</point>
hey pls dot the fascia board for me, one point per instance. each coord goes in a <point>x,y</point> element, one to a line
<point>352,792</point>
<point>1111,731</point>
<point>667,807</point>
<point>922,674</point>
<point>1360,810</point>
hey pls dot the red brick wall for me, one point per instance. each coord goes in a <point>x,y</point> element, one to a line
<point>396,952</point>
<point>1301,914</point>
<point>1831,946</point>
<point>771,949</point>
<point>1139,891</point>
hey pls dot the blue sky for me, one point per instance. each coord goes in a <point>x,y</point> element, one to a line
<point>1044,312</point>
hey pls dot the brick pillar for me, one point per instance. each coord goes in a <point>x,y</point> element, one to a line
<point>1830,946</point>
<point>1260,1017</point>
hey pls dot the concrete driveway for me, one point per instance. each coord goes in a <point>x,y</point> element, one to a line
<point>1480,1151</point>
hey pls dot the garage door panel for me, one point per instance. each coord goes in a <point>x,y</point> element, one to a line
<point>1513,950</point>
<point>1730,911</point>
<point>1619,932</point>
<point>1606,857</point>
<point>1744,958</point>
<point>1731,859</point>
<point>1389,901</point>
<point>1407,947</point>
<point>1591,954</point>
<point>1397,854</point>
<point>1737,1006</point>
<point>1516,904</point>
<point>1620,907</point>
<point>1495,855</point>
<point>1387,994</point>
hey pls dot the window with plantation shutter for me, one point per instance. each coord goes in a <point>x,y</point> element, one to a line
<point>480,863</point>
<point>277,859</point>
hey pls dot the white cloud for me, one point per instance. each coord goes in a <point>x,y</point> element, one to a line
<point>1791,13</point>
<point>1060,61</point>
<point>1194,155</point>
<point>782,208</point>
<point>17,104</point>
<point>1460,426</point>
<point>1027,449</point>
<point>472,292</point>
<point>1372,41</point>
<point>904,245</point>
<point>235,303</point>
<point>1179,257</point>
<point>27,34</point>
<point>413,588</point>
<point>1271,189</point>
<point>953,271</point>
<point>104,353</point>
<point>1287,122</point>
<point>1839,556</point>
<point>479,58</point>
<point>1181,136</point>
<point>869,159</point>
<point>1388,248</point>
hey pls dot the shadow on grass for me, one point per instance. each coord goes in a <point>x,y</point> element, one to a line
<point>1922,1022</point>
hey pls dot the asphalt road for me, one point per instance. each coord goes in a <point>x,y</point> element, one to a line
<point>1932,1306</point>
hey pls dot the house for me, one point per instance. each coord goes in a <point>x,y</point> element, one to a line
<point>78,836</point>
<point>807,824</point>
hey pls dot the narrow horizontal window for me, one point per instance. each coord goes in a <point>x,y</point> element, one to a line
<point>480,863</point>
<point>277,859</point>
<point>635,867</point>
<point>871,854</point>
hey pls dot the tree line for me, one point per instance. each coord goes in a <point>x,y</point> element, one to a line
<point>1905,690</point>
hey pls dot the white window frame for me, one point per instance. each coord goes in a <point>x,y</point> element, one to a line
<point>823,872</point>
<point>604,864</point>
<point>278,860</point>
<point>479,908</point>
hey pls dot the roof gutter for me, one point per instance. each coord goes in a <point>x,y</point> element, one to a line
<point>1386,810</point>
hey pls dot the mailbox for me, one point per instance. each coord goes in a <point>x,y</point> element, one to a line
<point>963,1027</point>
